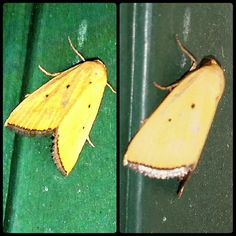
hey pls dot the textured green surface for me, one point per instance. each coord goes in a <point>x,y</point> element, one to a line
<point>37,198</point>
<point>150,53</point>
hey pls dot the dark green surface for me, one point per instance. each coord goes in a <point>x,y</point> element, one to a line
<point>150,53</point>
<point>37,198</point>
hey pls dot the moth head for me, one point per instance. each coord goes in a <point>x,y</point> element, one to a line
<point>208,61</point>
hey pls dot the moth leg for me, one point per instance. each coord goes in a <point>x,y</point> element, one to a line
<point>182,184</point>
<point>90,142</point>
<point>188,53</point>
<point>170,87</point>
<point>74,49</point>
<point>110,87</point>
<point>48,73</point>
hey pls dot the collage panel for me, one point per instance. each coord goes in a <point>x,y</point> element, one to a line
<point>63,180</point>
<point>168,98</point>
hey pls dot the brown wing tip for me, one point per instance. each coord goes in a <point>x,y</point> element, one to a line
<point>26,131</point>
<point>159,173</point>
<point>56,156</point>
<point>182,173</point>
<point>32,132</point>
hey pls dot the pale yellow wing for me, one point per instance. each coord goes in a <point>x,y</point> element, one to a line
<point>43,110</point>
<point>75,127</point>
<point>174,135</point>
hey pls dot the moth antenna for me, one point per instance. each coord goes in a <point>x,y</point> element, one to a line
<point>48,73</point>
<point>188,53</point>
<point>74,49</point>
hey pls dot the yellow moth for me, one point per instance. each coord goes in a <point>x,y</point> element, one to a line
<point>66,106</point>
<point>170,141</point>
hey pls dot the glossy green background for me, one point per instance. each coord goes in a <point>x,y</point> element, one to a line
<point>36,197</point>
<point>149,52</point>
